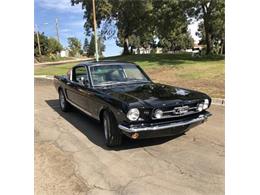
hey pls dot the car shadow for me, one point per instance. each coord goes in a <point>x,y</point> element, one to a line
<point>93,130</point>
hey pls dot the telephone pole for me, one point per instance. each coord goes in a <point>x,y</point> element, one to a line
<point>38,40</point>
<point>57,30</point>
<point>95,29</point>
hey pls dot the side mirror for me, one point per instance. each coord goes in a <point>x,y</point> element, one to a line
<point>84,81</point>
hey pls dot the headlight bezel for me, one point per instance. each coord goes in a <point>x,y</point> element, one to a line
<point>206,104</point>
<point>133,114</point>
<point>203,105</point>
<point>158,111</point>
<point>200,107</point>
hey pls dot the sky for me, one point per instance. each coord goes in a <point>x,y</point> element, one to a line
<point>70,23</point>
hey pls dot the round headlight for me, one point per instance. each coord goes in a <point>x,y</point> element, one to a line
<point>133,114</point>
<point>158,113</point>
<point>200,107</point>
<point>206,104</point>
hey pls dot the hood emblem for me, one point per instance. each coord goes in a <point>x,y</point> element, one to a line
<point>181,92</point>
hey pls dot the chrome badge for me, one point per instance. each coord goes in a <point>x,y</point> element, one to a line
<point>181,110</point>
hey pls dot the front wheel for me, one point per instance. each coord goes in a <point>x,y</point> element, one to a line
<point>64,105</point>
<point>113,136</point>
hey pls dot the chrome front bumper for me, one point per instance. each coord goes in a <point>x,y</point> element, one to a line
<point>201,118</point>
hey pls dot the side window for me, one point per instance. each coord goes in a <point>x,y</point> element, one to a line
<point>116,75</point>
<point>80,72</point>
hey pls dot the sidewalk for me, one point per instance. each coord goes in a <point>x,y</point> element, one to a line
<point>61,62</point>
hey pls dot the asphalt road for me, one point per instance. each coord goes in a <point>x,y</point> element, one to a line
<point>71,158</point>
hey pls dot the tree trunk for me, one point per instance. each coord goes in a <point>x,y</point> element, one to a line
<point>208,41</point>
<point>222,47</point>
<point>206,14</point>
<point>126,45</point>
<point>132,49</point>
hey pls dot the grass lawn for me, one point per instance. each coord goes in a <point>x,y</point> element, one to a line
<point>206,74</point>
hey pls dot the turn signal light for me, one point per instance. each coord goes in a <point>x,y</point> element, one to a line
<point>135,135</point>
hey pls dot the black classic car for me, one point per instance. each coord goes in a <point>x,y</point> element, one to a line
<point>128,102</point>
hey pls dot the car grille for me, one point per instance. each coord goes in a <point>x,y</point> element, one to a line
<point>178,110</point>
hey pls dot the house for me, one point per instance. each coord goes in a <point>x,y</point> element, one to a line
<point>64,53</point>
<point>197,46</point>
<point>147,50</point>
<point>158,50</point>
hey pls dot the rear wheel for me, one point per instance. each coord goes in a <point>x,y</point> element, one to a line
<point>64,105</point>
<point>113,136</point>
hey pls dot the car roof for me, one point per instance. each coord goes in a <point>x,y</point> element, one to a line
<point>103,62</point>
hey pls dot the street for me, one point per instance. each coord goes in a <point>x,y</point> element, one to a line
<point>71,157</point>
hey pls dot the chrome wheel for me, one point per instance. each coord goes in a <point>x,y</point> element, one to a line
<point>112,134</point>
<point>62,100</point>
<point>106,127</point>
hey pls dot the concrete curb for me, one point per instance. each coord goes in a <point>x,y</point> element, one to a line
<point>218,101</point>
<point>62,62</point>
<point>44,77</point>
<point>215,101</point>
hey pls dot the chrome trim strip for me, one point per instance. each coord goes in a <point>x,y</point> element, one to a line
<point>169,111</point>
<point>160,127</point>
<point>176,116</point>
<point>78,107</point>
<point>90,76</point>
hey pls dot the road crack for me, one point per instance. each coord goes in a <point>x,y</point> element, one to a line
<point>166,161</point>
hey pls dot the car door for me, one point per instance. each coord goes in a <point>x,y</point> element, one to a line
<point>78,93</point>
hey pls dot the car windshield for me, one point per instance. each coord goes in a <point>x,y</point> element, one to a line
<point>116,74</point>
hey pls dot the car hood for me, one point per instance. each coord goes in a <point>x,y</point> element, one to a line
<point>153,94</point>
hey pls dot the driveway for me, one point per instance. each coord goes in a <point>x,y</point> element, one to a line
<point>71,158</point>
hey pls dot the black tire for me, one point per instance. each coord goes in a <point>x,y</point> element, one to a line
<point>64,105</point>
<point>113,135</point>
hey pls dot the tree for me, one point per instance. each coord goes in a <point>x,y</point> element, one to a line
<point>48,45</point>
<point>134,42</point>
<point>74,46</point>
<point>54,46</point>
<point>43,44</point>
<point>101,46</point>
<point>91,48</point>
<point>212,14</point>
<point>130,17</point>
<point>171,25</point>
<point>134,19</point>
<point>138,22</point>
<point>185,41</point>
<point>86,45</point>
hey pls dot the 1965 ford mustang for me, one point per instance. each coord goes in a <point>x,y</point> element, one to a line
<point>127,102</point>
